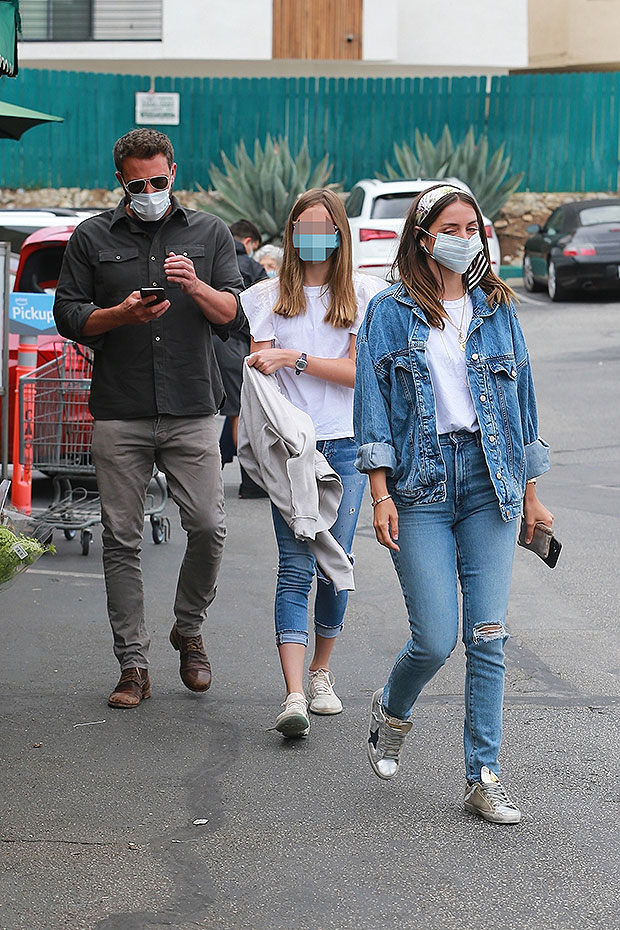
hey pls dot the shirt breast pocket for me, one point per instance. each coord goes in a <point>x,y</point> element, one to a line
<point>194,252</point>
<point>118,273</point>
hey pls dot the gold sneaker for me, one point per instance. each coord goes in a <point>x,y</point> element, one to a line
<point>488,799</point>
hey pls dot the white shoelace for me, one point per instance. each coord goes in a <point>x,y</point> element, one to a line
<point>321,682</point>
<point>391,742</point>
<point>496,795</point>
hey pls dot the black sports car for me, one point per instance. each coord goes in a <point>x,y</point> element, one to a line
<point>578,248</point>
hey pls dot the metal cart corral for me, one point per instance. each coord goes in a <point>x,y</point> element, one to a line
<point>56,434</point>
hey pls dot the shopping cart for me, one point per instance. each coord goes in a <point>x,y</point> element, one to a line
<point>56,434</point>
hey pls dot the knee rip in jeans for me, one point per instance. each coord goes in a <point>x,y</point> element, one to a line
<point>485,632</point>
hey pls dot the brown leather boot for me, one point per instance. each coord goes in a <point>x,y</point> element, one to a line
<point>195,669</point>
<point>133,686</point>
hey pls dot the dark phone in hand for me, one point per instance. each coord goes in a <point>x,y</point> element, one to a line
<point>544,543</point>
<point>157,292</point>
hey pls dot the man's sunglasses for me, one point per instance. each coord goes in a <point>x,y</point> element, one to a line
<point>160,182</point>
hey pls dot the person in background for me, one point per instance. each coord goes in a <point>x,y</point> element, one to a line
<point>230,354</point>
<point>446,420</point>
<point>156,390</point>
<point>270,257</point>
<point>303,326</point>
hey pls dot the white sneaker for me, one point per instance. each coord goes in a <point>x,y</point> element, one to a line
<point>489,800</point>
<point>386,736</point>
<point>294,721</point>
<point>320,691</point>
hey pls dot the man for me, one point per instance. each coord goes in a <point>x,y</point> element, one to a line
<point>156,388</point>
<point>247,240</point>
<point>230,354</point>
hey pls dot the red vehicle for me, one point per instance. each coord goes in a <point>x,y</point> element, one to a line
<point>39,265</point>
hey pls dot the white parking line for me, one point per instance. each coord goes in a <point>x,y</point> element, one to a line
<point>51,571</point>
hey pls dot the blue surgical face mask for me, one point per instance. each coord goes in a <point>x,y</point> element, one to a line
<point>271,272</point>
<point>316,247</point>
<point>150,207</point>
<point>455,253</point>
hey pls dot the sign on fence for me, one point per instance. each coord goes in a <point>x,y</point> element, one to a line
<point>158,109</point>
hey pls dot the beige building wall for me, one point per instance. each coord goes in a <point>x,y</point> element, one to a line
<point>574,34</point>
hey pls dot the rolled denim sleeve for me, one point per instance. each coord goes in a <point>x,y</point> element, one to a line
<point>536,449</point>
<point>73,303</point>
<point>371,414</point>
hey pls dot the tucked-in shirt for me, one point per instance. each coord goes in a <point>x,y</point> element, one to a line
<point>166,366</point>
<point>329,405</point>
<point>454,407</point>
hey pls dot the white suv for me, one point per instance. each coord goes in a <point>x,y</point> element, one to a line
<point>377,210</point>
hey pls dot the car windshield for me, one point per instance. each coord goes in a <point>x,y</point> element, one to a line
<point>592,216</point>
<point>392,206</point>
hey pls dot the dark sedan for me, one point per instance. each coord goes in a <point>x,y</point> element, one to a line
<point>578,248</point>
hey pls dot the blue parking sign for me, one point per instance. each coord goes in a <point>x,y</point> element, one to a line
<point>31,314</point>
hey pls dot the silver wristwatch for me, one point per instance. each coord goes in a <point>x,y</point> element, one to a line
<point>301,364</point>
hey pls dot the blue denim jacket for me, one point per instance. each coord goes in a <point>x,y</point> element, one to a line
<point>394,413</point>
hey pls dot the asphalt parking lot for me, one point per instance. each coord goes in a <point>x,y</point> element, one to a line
<point>191,812</point>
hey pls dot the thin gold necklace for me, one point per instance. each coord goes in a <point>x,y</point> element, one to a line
<point>459,329</point>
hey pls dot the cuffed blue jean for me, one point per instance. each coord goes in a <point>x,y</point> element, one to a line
<point>297,565</point>
<point>464,538</point>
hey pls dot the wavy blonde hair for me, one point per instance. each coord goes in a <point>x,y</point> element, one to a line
<point>411,263</point>
<point>342,301</point>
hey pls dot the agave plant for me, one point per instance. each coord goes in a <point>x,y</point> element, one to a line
<point>263,189</point>
<point>468,161</point>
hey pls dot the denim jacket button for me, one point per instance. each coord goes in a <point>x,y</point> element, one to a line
<point>474,357</point>
<point>491,438</point>
<point>483,398</point>
<point>498,474</point>
<point>513,373</point>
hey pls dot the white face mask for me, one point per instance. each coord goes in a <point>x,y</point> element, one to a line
<point>455,253</point>
<point>150,207</point>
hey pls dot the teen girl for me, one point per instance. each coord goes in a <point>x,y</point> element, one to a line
<point>303,327</point>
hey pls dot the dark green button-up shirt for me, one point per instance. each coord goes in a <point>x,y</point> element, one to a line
<point>167,366</point>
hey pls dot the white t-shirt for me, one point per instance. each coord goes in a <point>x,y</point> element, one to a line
<point>329,405</point>
<point>454,406</point>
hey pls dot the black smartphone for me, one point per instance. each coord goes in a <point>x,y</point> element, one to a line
<point>157,292</point>
<point>544,543</point>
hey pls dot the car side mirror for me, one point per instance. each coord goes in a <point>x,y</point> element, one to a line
<point>532,228</point>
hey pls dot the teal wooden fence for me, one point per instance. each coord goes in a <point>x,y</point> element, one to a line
<point>562,130</point>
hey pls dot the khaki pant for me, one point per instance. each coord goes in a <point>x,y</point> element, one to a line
<point>186,449</point>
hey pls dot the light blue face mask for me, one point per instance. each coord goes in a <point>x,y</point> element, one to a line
<point>455,253</point>
<point>271,272</point>
<point>316,247</point>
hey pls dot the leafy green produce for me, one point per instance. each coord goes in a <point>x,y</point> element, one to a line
<point>17,552</point>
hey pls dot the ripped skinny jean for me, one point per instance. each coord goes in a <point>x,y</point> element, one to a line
<point>297,565</point>
<point>464,539</point>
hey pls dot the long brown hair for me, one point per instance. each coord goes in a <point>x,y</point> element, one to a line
<point>292,300</point>
<point>411,262</point>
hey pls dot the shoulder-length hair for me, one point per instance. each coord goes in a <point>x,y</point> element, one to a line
<point>412,268</point>
<point>342,302</point>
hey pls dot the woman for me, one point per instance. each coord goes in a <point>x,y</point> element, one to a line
<point>270,257</point>
<point>303,327</point>
<point>445,416</point>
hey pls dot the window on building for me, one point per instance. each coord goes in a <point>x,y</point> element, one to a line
<point>91,20</point>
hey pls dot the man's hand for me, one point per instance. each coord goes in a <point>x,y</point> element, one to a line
<point>133,311</point>
<point>180,270</point>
